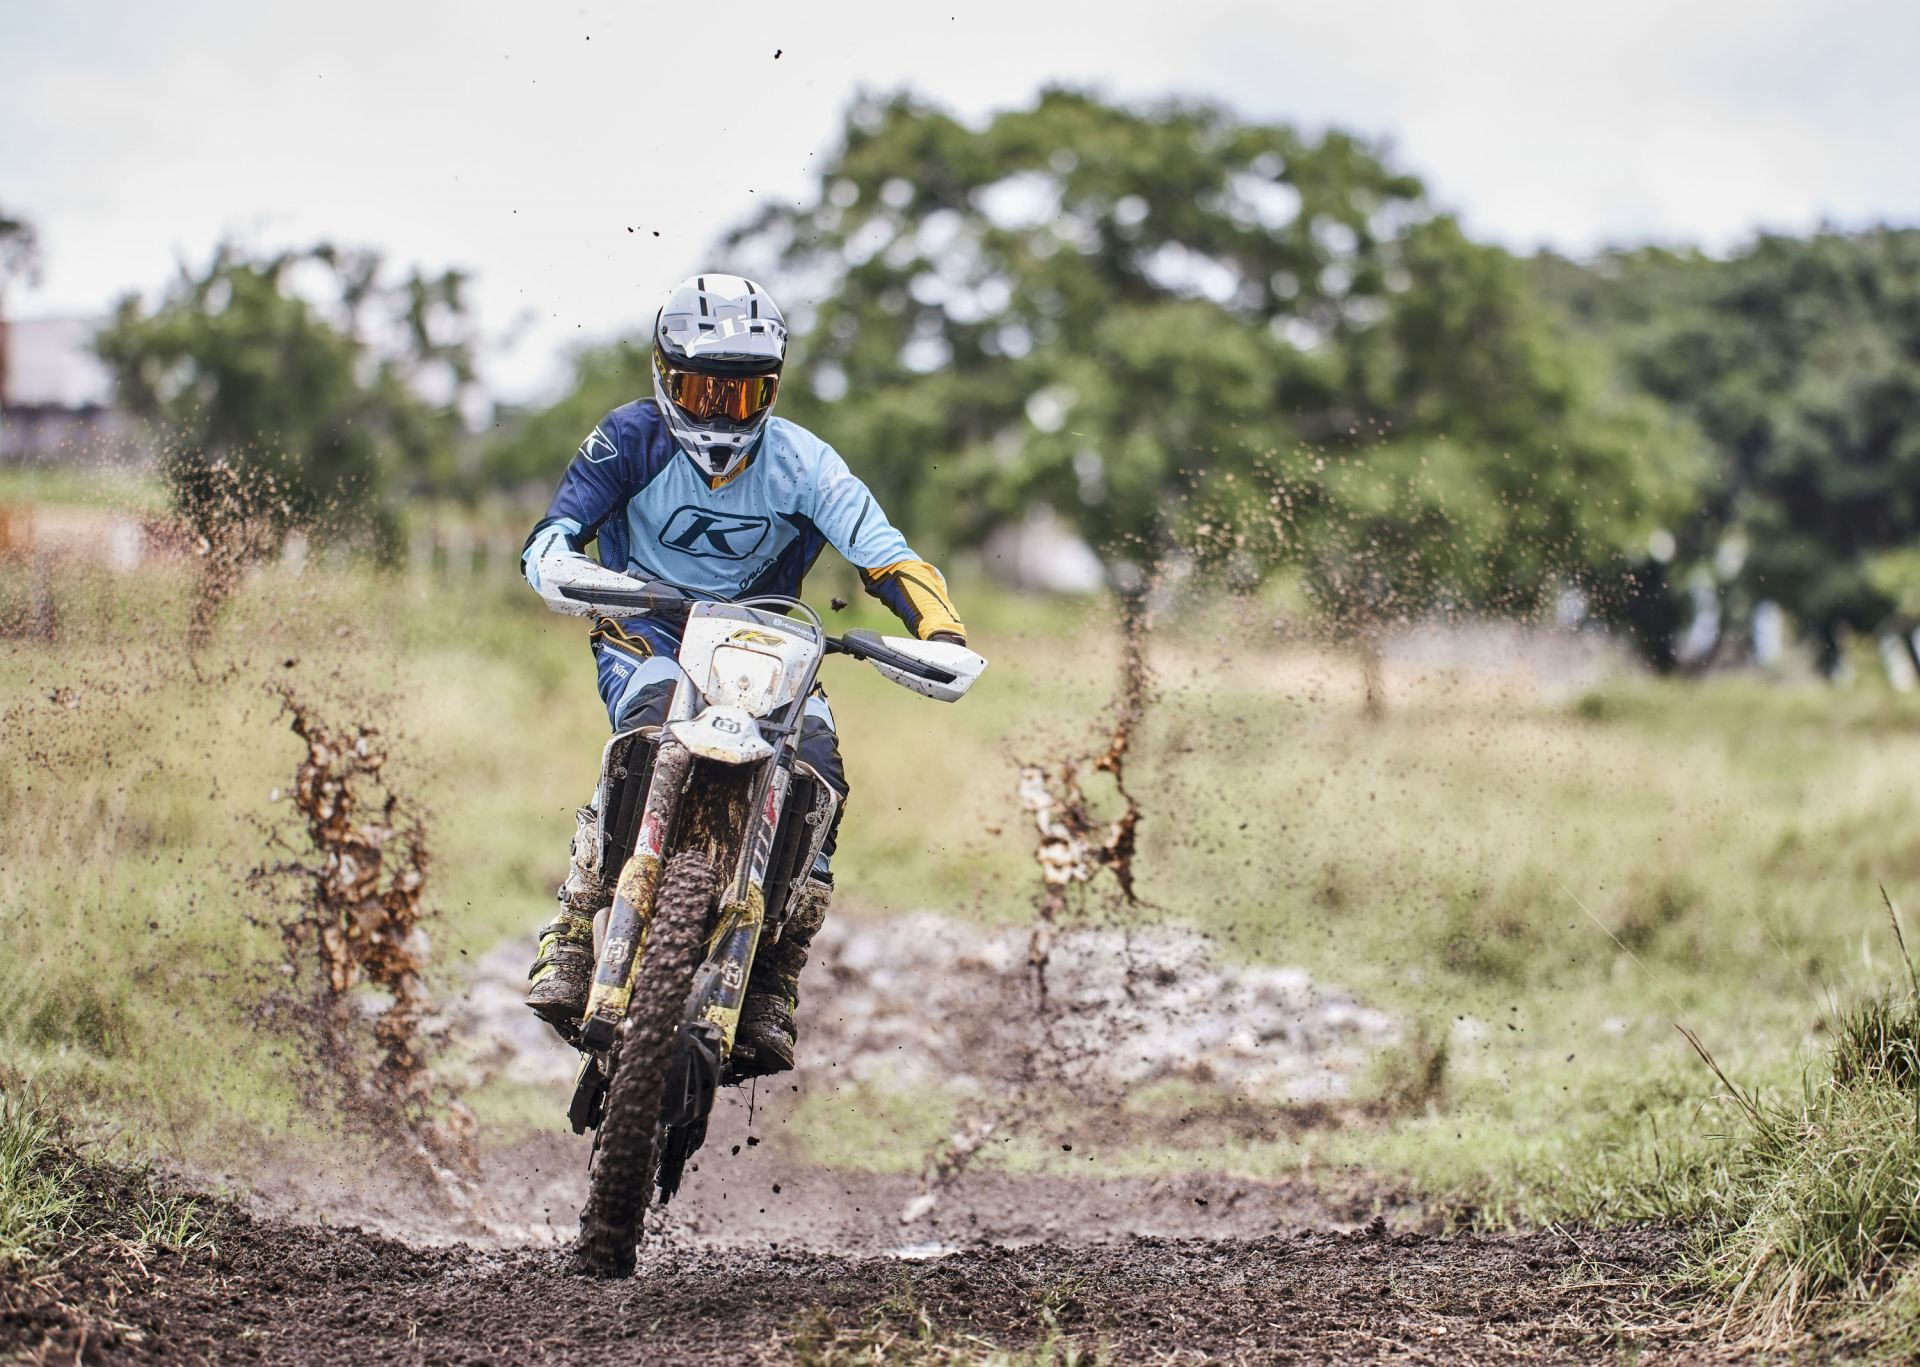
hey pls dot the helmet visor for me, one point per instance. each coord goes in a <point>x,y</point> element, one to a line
<point>705,397</point>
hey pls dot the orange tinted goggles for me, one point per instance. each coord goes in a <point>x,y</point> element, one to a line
<point>738,397</point>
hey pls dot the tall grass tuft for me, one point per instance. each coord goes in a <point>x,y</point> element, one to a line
<point>39,1198</point>
<point>1818,1219</point>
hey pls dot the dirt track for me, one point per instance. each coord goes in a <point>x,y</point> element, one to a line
<point>271,1291</point>
<point>773,1259</point>
<point>769,1257</point>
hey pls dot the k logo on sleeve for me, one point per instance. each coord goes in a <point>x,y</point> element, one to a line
<point>598,447</point>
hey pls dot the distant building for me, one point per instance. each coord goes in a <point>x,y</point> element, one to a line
<point>56,397</point>
<point>1043,553</point>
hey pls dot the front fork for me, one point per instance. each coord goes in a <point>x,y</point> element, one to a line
<point>712,1018</point>
<point>626,931</point>
<point>720,985</point>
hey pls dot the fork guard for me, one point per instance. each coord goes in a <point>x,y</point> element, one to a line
<point>693,1076</point>
<point>627,920</point>
<point>811,809</point>
<point>589,1096</point>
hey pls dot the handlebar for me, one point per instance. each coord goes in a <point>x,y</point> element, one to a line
<point>863,644</point>
<point>656,600</point>
<point>649,597</point>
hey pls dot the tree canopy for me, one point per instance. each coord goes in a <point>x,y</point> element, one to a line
<point>19,251</point>
<point>1800,361</point>
<point>297,387</point>
<point>1259,348</point>
<point>1180,329</point>
<point>534,447</point>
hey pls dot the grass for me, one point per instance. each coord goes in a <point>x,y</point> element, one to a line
<point>1813,1198</point>
<point>137,801</point>
<point>171,1222</point>
<point>39,1201</point>
<point>1540,882</point>
<point>136,797</point>
<point>49,1197</point>
<point>110,487</point>
<point>1548,892</point>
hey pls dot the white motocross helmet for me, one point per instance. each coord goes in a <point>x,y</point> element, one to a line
<point>718,346</point>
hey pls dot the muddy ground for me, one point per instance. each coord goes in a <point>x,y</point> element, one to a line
<point>907,1004</point>
<point>262,1289</point>
<point>769,1256</point>
<point>772,1258</point>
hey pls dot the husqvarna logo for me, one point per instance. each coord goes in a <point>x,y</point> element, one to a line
<point>697,531</point>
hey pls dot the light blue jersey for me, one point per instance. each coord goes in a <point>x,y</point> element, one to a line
<point>652,514</point>
<point>656,516</point>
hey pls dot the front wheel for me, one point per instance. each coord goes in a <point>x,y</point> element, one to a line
<point>622,1179</point>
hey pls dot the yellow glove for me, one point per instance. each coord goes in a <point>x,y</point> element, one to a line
<point>917,594</point>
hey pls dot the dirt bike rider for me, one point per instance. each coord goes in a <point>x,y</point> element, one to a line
<point>700,486</point>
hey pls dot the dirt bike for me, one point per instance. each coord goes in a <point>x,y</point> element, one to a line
<point>714,823</point>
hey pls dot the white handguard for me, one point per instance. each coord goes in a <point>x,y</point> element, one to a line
<point>957,660</point>
<point>552,573</point>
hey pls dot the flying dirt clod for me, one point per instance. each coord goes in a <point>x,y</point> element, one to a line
<point>359,920</point>
<point>1073,846</point>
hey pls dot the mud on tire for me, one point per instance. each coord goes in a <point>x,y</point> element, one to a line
<point>621,1184</point>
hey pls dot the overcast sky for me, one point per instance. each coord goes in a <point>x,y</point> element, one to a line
<point>521,141</point>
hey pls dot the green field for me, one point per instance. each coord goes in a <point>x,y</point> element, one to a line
<point>1546,881</point>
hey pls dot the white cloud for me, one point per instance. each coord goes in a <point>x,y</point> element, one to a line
<point>523,142</point>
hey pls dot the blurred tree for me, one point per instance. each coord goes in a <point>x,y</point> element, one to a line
<point>19,253</point>
<point>293,390</point>
<point>19,260</point>
<point>1800,360</point>
<point>1508,460</point>
<point>1186,332</point>
<point>534,447</point>
<point>1079,304</point>
<point>297,388</point>
<point>1896,574</point>
<point>1180,329</point>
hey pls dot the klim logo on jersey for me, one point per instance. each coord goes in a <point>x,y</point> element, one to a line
<point>597,447</point>
<point>696,531</point>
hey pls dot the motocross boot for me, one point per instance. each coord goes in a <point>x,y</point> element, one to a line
<point>562,973</point>
<point>765,1040</point>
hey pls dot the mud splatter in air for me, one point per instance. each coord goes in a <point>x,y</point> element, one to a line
<point>355,925</point>
<point>1075,844</point>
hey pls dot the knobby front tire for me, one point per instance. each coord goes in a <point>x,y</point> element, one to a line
<point>621,1184</point>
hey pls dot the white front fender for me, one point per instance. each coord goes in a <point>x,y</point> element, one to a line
<point>729,735</point>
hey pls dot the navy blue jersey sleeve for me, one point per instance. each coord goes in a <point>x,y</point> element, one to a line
<point>592,488</point>
<point>614,462</point>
